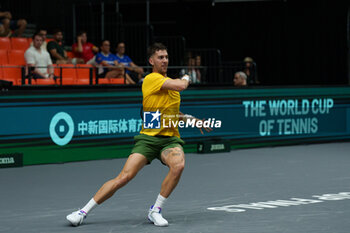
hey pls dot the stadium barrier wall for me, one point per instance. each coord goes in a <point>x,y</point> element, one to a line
<point>76,125</point>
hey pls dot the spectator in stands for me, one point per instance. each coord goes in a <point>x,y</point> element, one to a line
<point>7,25</point>
<point>199,70</point>
<point>240,79</point>
<point>250,70</point>
<point>43,33</point>
<point>38,60</point>
<point>83,49</point>
<point>58,53</point>
<point>109,66</point>
<point>134,71</point>
<point>190,70</point>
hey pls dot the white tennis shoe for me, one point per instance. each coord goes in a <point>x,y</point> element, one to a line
<point>76,218</point>
<point>155,216</point>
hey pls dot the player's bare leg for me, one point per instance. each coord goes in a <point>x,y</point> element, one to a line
<point>132,166</point>
<point>174,158</point>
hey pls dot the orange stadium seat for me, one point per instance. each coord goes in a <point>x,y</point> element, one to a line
<point>16,57</point>
<point>44,81</point>
<point>83,74</point>
<point>13,73</point>
<point>104,81</point>
<point>116,81</point>
<point>14,81</point>
<point>3,57</point>
<point>69,74</point>
<point>48,40</point>
<point>19,43</point>
<point>56,70</point>
<point>48,81</point>
<point>5,43</point>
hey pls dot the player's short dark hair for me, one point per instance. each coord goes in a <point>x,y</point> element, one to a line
<point>152,49</point>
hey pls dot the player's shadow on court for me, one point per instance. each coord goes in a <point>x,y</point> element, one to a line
<point>120,222</point>
<point>176,219</point>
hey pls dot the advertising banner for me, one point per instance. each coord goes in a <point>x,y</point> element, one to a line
<point>75,127</point>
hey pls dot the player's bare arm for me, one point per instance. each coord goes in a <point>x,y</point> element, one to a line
<point>186,117</point>
<point>175,85</point>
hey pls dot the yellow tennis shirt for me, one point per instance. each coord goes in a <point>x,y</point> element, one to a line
<point>166,102</point>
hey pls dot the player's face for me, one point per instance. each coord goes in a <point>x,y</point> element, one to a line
<point>160,61</point>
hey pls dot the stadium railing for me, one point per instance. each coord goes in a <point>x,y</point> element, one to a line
<point>83,74</point>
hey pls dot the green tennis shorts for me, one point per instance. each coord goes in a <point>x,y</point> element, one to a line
<point>152,146</point>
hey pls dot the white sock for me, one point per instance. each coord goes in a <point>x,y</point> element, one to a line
<point>89,206</point>
<point>160,201</point>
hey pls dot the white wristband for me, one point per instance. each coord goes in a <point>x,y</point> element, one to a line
<point>187,117</point>
<point>186,77</point>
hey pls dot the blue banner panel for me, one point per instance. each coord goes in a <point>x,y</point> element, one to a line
<point>46,126</point>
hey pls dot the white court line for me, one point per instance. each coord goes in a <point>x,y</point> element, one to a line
<point>238,208</point>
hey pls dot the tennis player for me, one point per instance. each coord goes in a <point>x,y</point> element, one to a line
<point>161,98</point>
